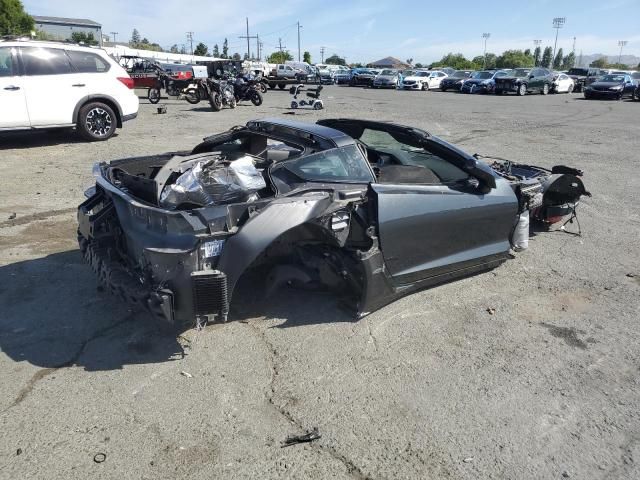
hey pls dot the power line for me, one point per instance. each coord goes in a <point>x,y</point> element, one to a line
<point>113,34</point>
<point>249,37</point>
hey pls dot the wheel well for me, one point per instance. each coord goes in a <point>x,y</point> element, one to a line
<point>107,101</point>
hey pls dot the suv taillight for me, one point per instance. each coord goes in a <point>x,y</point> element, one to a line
<point>127,81</point>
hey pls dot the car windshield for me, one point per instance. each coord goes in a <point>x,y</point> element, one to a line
<point>578,71</point>
<point>612,78</point>
<point>408,73</point>
<point>460,74</point>
<point>341,165</point>
<point>422,74</point>
<point>521,72</point>
<point>388,72</point>
<point>482,75</point>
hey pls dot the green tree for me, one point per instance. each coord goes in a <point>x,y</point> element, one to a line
<point>280,57</point>
<point>418,65</point>
<point>479,61</point>
<point>454,60</point>
<point>536,56</point>
<point>135,37</point>
<point>216,51</point>
<point>601,62</point>
<point>306,57</point>
<point>82,37</point>
<point>557,62</point>
<point>514,59</point>
<point>547,57</point>
<point>201,50</point>
<point>618,66</point>
<point>569,61</point>
<point>225,49</point>
<point>13,19</point>
<point>174,48</point>
<point>183,50</point>
<point>236,56</point>
<point>335,60</point>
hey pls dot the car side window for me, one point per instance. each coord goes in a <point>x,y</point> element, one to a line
<point>87,62</point>
<point>6,62</point>
<point>45,61</point>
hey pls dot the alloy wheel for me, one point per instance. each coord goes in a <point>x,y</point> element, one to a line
<point>98,121</point>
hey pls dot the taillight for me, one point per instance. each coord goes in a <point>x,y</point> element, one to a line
<point>127,82</point>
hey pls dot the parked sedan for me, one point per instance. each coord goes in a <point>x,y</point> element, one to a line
<point>454,81</point>
<point>562,83</point>
<point>537,80</point>
<point>515,82</point>
<point>299,205</point>
<point>386,79</point>
<point>610,86</point>
<point>361,76</point>
<point>482,82</point>
<point>423,80</point>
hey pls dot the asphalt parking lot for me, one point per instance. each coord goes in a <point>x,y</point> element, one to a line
<point>431,386</point>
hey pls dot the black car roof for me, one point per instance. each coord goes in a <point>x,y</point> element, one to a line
<point>301,129</point>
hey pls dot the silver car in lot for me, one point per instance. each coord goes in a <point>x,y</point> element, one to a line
<point>388,78</point>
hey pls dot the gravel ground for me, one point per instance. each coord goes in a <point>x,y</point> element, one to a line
<point>432,386</point>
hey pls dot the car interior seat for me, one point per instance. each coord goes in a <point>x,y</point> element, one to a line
<point>314,92</point>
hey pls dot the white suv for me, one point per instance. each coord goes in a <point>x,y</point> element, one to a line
<point>48,84</point>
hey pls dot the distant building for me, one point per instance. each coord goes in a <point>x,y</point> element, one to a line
<point>61,28</point>
<point>389,62</point>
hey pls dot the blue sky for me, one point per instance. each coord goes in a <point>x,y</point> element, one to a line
<point>368,30</point>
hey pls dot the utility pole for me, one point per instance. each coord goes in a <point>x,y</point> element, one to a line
<point>281,50</point>
<point>322,54</point>
<point>190,38</point>
<point>113,35</point>
<point>537,43</point>
<point>621,43</point>
<point>299,27</point>
<point>248,37</point>
<point>573,50</point>
<point>486,37</point>
<point>558,23</point>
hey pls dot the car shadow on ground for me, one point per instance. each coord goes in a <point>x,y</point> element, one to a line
<point>40,138</point>
<point>55,316</point>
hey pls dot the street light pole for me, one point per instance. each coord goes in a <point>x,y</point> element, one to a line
<point>485,36</point>
<point>299,27</point>
<point>558,23</point>
<point>621,43</point>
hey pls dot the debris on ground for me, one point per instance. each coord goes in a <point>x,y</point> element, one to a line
<point>19,451</point>
<point>12,216</point>
<point>99,457</point>
<point>468,460</point>
<point>306,438</point>
<point>186,374</point>
<point>491,311</point>
<point>630,275</point>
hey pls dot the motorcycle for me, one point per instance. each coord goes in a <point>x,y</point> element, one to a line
<point>247,88</point>
<point>196,91</point>
<point>221,94</point>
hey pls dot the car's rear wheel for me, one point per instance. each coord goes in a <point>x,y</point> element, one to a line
<point>96,121</point>
<point>281,86</point>
<point>545,89</point>
<point>522,89</point>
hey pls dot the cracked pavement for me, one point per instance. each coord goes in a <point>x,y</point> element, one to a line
<point>431,386</point>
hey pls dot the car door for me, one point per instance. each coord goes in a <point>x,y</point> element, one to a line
<point>13,105</point>
<point>438,209</point>
<point>52,87</point>
<point>629,86</point>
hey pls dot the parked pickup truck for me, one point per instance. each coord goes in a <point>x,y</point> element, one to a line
<point>284,75</point>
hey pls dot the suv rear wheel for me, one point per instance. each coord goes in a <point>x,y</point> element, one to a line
<point>96,121</point>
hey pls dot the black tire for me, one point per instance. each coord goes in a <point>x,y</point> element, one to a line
<point>272,86</point>
<point>545,89</point>
<point>263,87</point>
<point>153,95</point>
<point>425,87</point>
<point>281,86</point>
<point>444,89</point>
<point>215,101</point>
<point>233,102</point>
<point>522,89</point>
<point>192,96</point>
<point>256,98</point>
<point>96,122</point>
<point>587,96</point>
<point>499,91</point>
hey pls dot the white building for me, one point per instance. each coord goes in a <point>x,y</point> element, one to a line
<point>59,28</point>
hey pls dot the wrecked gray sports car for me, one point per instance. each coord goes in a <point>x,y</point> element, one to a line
<point>371,210</point>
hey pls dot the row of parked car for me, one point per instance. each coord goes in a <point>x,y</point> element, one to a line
<point>594,83</point>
